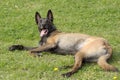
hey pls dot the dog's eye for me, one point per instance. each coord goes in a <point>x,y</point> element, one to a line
<point>39,29</point>
<point>40,21</point>
<point>43,25</point>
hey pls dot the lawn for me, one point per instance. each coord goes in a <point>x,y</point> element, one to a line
<point>17,26</point>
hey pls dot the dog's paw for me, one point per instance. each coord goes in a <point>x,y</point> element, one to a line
<point>68,74</point>
<point>35,54</point>
<point>16,47</point>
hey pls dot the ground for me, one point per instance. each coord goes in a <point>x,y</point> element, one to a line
<point>17,26</point>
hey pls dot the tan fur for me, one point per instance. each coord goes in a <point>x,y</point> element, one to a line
<point>83,47</point>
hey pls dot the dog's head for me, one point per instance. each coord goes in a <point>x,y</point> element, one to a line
<point>45,25</point>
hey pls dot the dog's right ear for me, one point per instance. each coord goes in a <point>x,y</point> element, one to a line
<point>37,17</point>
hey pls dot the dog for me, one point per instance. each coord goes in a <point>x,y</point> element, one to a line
<point>83,47</point>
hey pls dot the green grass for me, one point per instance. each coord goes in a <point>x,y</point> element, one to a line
<point>17,26</point>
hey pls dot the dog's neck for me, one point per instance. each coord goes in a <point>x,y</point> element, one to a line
<point>54,33</point>
<point>53,29</point>
<point>44,38</point>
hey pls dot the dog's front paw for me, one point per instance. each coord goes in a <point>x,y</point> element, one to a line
<point>16,47</point>
<point>68,74</point>
<point>35,54</point>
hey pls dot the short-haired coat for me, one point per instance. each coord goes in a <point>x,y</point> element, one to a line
<point>82,46</point>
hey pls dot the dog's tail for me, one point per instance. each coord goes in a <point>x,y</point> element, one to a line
<point>20,47</point>
<point>102,61</point>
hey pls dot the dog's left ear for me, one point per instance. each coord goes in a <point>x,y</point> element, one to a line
<point>50,15</point>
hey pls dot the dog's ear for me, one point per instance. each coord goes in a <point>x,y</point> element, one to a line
<point>37,17</point>
<point>50,15</point>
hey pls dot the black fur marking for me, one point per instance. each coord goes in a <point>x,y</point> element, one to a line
<point>20,47</point>
<point>16,47</point>
<point>68,74</point>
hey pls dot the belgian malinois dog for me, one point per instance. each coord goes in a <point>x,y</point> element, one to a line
<point>83,47</point>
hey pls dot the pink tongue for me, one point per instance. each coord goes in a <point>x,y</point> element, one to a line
<point>43,32</point>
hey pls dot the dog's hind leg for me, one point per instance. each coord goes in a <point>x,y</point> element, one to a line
<point>78,63</point>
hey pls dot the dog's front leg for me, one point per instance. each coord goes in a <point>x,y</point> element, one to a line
<point>42,48</point>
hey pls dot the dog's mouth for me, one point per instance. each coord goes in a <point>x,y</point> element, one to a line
<point>43,32</point>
